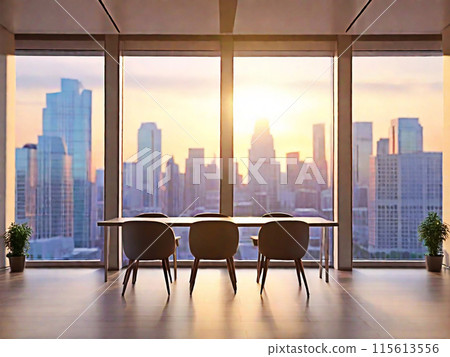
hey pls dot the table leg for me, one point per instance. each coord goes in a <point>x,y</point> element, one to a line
<point>106,251</point>
<point>175,264</point>
<point>322,238</point>
<point>327,254</point>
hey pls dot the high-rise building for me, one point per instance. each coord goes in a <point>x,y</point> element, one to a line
<point>98,211</point>
<point>26,183</point>
<point>174,190</point>
<point>383,147</point>
<point>132,195</point>
<point>149,157</point>
<point>404,187</point>
<point>362,151</point>
<point>292,169</point>
<point>54,194</point>
<point>405,136</point>
<point>67,116</point>
<point>319,156</point>
<point>263,188</point>
<point>212,186</point>
<point>194,181</point>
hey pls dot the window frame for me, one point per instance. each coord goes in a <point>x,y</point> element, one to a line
<point>213,45</point>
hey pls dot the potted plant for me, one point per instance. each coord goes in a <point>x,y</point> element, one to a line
<point>433,232</point>
<point>17,242</point>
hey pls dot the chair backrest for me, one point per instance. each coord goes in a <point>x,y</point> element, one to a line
<point>152,215</point>
<point>147,240</point>
<point>210,214</point>
<point>213,240</point>
<point>277,214</point>
<point>284,240</point>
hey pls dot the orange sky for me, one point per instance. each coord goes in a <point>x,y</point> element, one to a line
<point>182,95</point>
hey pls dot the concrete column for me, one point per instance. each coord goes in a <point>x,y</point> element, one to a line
<point>343,240</point>
<point>7,134</point>
<point>446,148</point>
<point>113,145</point>
<point>226,125</point>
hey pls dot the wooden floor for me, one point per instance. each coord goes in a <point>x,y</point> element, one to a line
<point>43,303</point>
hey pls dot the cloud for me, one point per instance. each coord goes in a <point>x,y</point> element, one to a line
<point>410,86</point>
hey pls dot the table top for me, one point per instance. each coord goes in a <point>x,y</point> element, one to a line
<point>239,221</point>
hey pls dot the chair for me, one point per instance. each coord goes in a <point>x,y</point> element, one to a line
<point>147,241</point>
<point>210,214</point>
<point>255,241</point>
<point>213,240</point>
<point>284,240</point>
<point>153,215</point>
<point>177,244</point>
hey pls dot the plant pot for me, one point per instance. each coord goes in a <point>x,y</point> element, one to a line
<point>17,264</point>
<point>434,262</point>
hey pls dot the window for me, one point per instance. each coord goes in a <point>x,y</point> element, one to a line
<point>171,132</point>
<point>283,118</point>
<point>59,154</point>
<point>397,153</point>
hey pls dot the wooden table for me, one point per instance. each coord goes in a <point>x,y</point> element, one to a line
<point>239,221</point>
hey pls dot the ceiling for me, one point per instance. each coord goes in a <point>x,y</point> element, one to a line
<point>202,17</point>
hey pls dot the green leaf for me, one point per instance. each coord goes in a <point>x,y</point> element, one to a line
<point>17,239</point>
<point>432,233</point>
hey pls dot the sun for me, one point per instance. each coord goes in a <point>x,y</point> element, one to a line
<point>252,103</point>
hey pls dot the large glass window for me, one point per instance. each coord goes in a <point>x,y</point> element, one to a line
<point>283,118</point>
<point>397,153</point>
<point>59,154</point>
<point>171,131</point>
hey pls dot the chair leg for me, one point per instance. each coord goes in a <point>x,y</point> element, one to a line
<point>297,268</point>
<point>261,267</point>
<point>258,266</point>
<point>164,264</point>
<point>234,271</point>
<point>230,272</point>
<point>135,271</point>
<point>300,263</point>
<point>194,275</point>
<point>266,267</point>
<point>168,269</point>
<point>130,264</point>
<point>192,272</point>
<point>126,278</point>
<point>175,264</point>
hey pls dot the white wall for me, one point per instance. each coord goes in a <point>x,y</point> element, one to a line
<point>7,134</point>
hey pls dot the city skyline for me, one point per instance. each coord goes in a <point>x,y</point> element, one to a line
<point>416,91</point>
<point>305,134</point>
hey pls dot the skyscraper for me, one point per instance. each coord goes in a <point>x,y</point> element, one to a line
<point>405,136</point>
<point>383,147</point>
<point>98,212</point>
<point>264,192</point>
<point>174,189</point>
<point>26,183</point>
<point>319,156</point>
<point>132,195</point>
<point>292,169</point>
<point>67,116</point>
<point>404,187</point>
<point>149,153</point>
<point>194,180</point>
<point>212,187</point>
<point>54,194</point>
<point>362,151</point>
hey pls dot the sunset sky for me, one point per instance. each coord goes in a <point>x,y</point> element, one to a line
<point>182,95</point>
